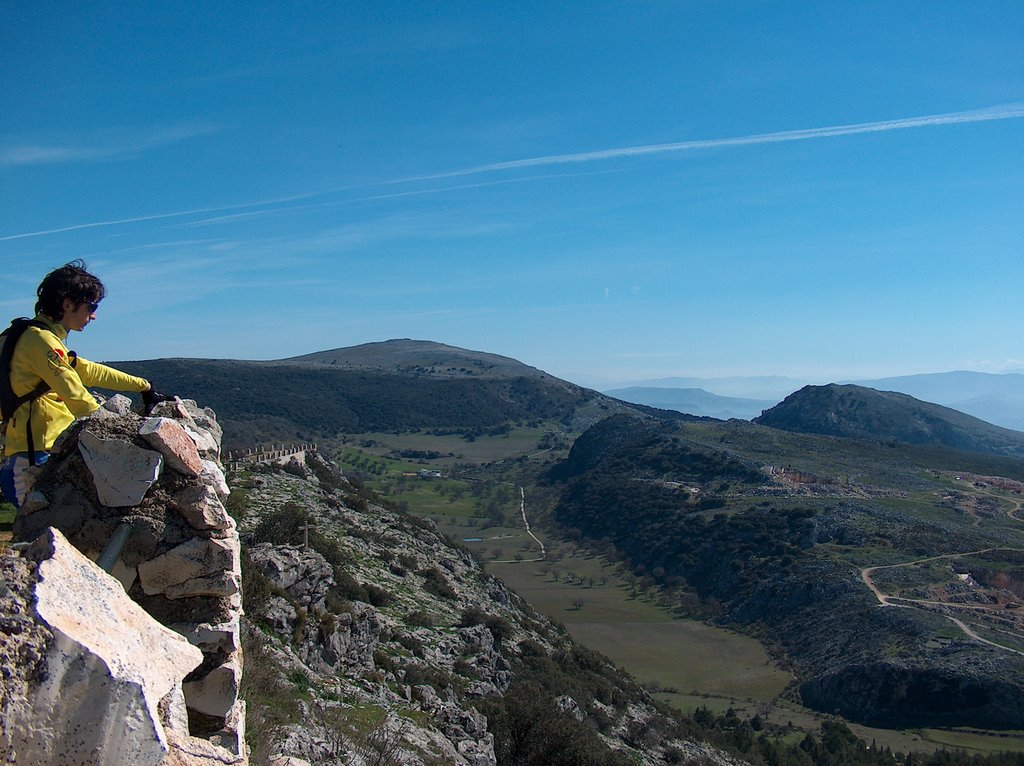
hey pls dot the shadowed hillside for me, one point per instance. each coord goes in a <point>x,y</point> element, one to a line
<point>864,413</point>
<point>390,386</point>
<point>778,533</point>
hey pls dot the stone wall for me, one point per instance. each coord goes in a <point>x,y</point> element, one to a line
<point>158,480</point>
<point>281,455</point>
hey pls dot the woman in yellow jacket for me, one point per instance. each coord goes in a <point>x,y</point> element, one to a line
<point>68,299</point>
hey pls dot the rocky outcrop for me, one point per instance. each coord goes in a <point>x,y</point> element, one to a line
<point>403,647</point>
<point>91,678</point>
<point>341,641</point>
<point>156,482</point>
<point>858,412</point>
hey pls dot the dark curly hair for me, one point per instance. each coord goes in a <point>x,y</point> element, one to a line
<point>70,281</point>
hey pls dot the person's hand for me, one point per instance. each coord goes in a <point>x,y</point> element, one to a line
<point>151,398</point>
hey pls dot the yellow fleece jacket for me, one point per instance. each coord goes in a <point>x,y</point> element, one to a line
<point>42,355</point>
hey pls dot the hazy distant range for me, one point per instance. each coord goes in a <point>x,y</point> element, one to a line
<point>996,398</point>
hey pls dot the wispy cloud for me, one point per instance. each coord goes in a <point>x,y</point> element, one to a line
<point>994,365</point>
<point>109,147</point>
<point>25,155</point>
<point>273,206</point>
<point>113,222</point>
<point>156,217</point>
<point>990,114</point>
<point>268,210</point>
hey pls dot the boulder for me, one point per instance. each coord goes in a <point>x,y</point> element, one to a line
<point>214,476</point>
<point>212,637</point>
<point>170,439</point>
<point>194,568</point>
<point>346,641</point>
<point>302,572</point>
<point>191,415</point>
<point>201,507</point>
<point>204,441</point>
<point>119,404</point>
<point>216,692</point>
<point>96,697</point>
<point>121,472</point>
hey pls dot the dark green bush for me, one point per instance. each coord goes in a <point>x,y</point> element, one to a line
<point>530,729</point>
<point>499,627</point>
<point>420,618</point>
<point>437,583</point>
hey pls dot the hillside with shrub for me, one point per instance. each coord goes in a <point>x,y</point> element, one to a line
<point>385,640</point>
<point>864,413</point>
<point>395,386</point>
<point>770,533</point>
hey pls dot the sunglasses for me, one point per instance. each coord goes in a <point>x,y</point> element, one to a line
<point>92,306</point>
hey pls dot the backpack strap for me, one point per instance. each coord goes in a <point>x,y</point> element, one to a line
<point>9,403</point>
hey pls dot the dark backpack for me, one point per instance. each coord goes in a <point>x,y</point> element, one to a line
<point>9,403</point>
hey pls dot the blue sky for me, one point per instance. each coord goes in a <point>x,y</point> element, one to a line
<point>607,191</point>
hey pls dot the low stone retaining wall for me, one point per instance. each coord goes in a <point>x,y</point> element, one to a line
<point>280,455</point>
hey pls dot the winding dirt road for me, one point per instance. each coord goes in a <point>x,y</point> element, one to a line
<point>917,603</point>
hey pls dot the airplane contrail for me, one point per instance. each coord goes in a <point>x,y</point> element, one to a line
<point>1005,112</point>
<point>989,114</point>
<point>154,217</point>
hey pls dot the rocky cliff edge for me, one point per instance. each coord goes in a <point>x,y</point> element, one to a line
<point>142,665</point>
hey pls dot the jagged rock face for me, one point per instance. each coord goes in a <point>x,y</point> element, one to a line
<point>482,657</point>
<point>340,641</point>
<point>23,645</point>
<point>399,621</point>
<point>466,727</point>
<point>158,479</point>
<point>105,669</point>
<point>347,641</point>
<point>304,574</point>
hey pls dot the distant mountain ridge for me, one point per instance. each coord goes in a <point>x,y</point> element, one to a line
<point>997,398</point>
<point>774,387</point>
<point>864,413</point>
<point>419,357</point>
<point>780,554</point>
<point>695,401</point>
<point>398,385</point>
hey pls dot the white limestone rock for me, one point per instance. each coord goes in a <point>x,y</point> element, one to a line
<point>304,573</point>
<point>105,673</point>
<point>190,413</point>
<point>214,476</point>
<point>203,439</point>
<point>216,692</point>
<point>122,473</point>
<point>205,418</point>
<point>205,563</point>
<point>220,585</point>
<point>568,705</point>
<point>220,637</point>
<point>193,751</point>
<point>119,404</point>
<point>280,615</point>
<point>201,508</point>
